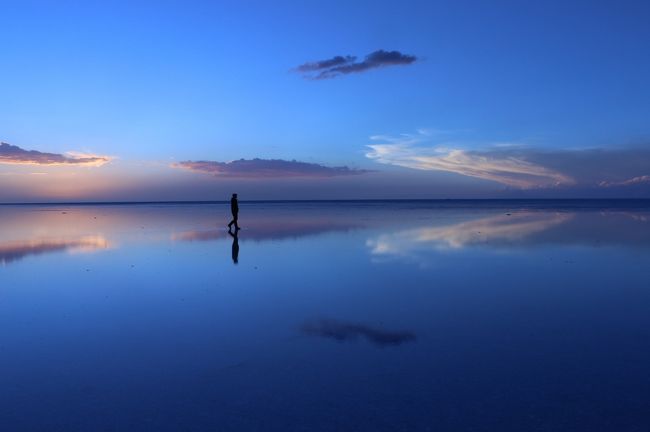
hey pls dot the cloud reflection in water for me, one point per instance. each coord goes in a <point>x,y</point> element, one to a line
<point>260,230</point>
<point>343,331</point>
<point>493,230</point>
<point>11,251</point>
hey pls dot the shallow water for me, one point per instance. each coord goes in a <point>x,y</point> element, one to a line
<point>441,316</point>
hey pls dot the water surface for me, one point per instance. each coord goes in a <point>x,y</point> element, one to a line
<point>445,316</point>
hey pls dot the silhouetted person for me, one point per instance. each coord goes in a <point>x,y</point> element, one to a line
<point>235,247</point>
<point>234,208</point>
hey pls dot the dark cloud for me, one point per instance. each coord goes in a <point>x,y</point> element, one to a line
<point>325,64</point>
<point>11,154</point>
<point>267,168</point>
<point>340,65</point>
<point>342,331</point>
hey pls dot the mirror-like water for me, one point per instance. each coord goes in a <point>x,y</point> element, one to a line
<point>459,316</point>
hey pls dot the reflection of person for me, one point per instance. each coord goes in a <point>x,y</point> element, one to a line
<point>234,208</point>
<point>235,247</point>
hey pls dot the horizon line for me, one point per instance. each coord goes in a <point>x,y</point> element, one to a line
<point>368,200</point>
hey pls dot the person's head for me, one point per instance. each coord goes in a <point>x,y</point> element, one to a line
<point>234,195</point>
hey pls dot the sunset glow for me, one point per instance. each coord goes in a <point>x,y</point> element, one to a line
<point>453,100</point>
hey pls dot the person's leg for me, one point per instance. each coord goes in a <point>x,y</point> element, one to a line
<point>235,217</point>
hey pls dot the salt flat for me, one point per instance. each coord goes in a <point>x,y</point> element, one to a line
<point>481,316</point>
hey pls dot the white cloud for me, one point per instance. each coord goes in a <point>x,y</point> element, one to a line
<point>517,164</point>
<point>632,181</point>
<point>500,167</point>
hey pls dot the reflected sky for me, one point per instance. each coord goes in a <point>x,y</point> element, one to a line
<point>462,316</point>
<point>33,230</point>
<point>278,227</point>
<point>519,229</point>
<point>342,331</point>
<point>15,250</point>
<point>501,229</point>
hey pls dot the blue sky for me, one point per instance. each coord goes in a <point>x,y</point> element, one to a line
<point>553,86</point>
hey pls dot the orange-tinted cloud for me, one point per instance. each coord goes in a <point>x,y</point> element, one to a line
<point>14,155</point>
